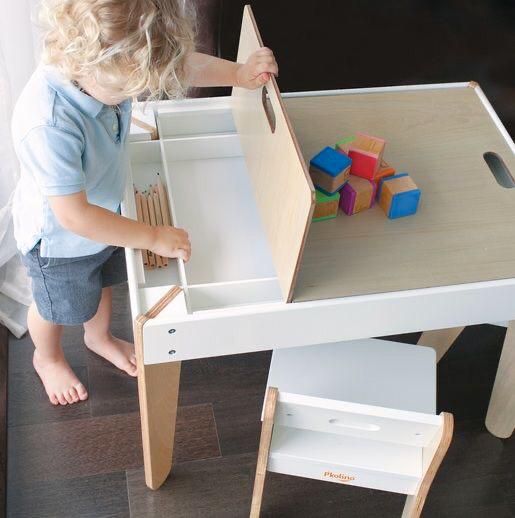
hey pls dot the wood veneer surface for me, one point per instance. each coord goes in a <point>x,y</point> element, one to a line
<point>282,187</point>
<point>461,232</point>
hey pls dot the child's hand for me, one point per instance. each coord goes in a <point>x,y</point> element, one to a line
<point>256,71</point>
<point>171,242</point>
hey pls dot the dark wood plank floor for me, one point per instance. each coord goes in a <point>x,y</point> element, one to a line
<point>3,415</point>
<point>85,460</point>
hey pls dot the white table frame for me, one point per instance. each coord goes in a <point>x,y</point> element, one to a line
<point>165,337</point>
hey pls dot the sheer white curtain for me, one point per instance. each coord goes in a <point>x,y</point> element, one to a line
<point>18,51</point>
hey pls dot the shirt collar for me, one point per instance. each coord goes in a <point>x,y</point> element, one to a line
<point>80,100</point>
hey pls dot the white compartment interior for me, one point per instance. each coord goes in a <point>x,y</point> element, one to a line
<point>221,295</point>
<point>213,201</point>
<point>188,120</point>
<point>210,197</point>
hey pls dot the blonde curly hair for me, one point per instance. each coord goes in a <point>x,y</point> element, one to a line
<point>135,46</point>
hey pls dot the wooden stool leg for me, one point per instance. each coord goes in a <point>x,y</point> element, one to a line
<point>415,503</point>
<point>264,448</point>
<point>440,340</point>
<point>500,419</point>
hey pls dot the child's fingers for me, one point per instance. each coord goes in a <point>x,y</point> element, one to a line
<point>266,68</point>
<point>187,248</point>
<point>259,80</point>
<point>262,79</point>
<point>263,51</point>
<point>271,65</point>
<point>268,58</point>
<point>184,255</point>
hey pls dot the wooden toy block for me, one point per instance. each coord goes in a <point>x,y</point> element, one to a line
<point>326,206</point>
<point>329,170</point>
<point>398,196</point>
<point>343,144</point>
<point>366,153</point>
<point>358,194</point>
<point>385,170</point>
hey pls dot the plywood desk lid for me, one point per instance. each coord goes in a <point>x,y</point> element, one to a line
<point>463,231</point>
<point>283,189</point>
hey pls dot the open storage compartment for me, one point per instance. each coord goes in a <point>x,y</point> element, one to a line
<point>318,455</point>
<point>210,195</point>
<point>238,185</point>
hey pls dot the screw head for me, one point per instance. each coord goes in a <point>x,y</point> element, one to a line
<point>171,352</point>
<point>171,331</point>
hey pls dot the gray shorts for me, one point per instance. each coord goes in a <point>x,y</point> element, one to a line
<point>67,290</point>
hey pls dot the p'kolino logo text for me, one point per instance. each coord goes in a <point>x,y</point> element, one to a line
<point>340,477</point>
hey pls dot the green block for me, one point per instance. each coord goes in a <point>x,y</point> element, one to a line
<point>345,140</point>
<point>322,197</point>
<point>324,218</point>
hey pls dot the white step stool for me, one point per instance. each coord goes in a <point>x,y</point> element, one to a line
<point>360,413</point>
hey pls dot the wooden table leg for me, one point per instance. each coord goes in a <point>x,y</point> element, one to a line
<point>158,390</point>
<point>500,418</point>
<point>440,339</point>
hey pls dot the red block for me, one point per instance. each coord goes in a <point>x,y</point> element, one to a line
<point>366,153</point>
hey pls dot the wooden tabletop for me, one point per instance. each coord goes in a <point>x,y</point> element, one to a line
<point>462,232</point>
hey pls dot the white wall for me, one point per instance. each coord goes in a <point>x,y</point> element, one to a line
<point>18,41</point>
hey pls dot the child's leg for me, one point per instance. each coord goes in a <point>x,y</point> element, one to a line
<point>60,382</point>
<point>99,339</point>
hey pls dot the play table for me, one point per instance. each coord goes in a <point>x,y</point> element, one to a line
<point>261,276</point>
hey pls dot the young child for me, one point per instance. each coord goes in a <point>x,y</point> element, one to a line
<point>70,128</point>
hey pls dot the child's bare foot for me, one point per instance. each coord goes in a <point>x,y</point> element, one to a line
<point>61,384</point>
<point>119,352</point>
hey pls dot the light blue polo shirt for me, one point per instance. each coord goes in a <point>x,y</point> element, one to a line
<point>66,142</point>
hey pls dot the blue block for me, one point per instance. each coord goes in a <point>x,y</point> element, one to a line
<point>387,179</point>
<point>331,161</point>
<point>404,204</point>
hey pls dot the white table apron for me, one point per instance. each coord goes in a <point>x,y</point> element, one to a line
<point>272,326</point>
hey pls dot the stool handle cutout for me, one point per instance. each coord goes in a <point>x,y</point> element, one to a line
<point>355,426</point>
<point>499,170</point>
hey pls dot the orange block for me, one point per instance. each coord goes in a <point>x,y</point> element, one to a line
<point>385,170</point>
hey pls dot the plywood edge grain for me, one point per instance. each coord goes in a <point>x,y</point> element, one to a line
<point>158,392</point>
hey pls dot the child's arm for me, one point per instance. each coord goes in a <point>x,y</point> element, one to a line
<point>77,215</point>
<point>205,70</point>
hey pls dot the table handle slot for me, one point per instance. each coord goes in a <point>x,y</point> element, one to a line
<point>499,169</point>
<point>269,109</point>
